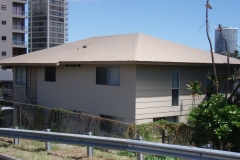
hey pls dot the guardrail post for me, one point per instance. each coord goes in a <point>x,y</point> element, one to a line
<point>16,140</point>
<point>140,156</point>
<point>90,149</point>
<point>48,144</point>
<point>163,136</point>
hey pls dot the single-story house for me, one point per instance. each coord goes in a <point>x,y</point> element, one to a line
<point>133,78</point>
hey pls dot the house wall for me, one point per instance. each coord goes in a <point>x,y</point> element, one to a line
<point>76,89</point>
<point>144,92</point>
<point>154,94</point>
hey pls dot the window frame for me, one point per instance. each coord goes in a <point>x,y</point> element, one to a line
<point>100,80</point>
<point>4,38</point>
<point>177,88</point>
<point>48,71</point>
<point>23,77</point>
<point>4,7</point>
<point>4,53</point>
<point>4,22</point>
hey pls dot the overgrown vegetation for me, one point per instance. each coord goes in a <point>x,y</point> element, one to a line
<point>162,131</point>
<point>35,117</point>
<point>146,156</point>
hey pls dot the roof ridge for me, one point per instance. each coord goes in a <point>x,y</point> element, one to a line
<point>113,35</point>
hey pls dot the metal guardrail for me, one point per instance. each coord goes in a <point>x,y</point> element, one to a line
<point>122,144</point>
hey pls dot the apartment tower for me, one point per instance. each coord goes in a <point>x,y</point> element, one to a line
<point>13,28</point>
<point>13,31</point>
<point>47,22</point>
<point>230,34</point>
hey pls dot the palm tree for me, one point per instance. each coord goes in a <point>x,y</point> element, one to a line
<point>196,89</point>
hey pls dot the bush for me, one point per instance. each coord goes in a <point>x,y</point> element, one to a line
<point>217,122</point>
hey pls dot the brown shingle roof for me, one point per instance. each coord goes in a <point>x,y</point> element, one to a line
<point>119,48</point>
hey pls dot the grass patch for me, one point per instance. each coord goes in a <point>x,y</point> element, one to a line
<point>35,150</point>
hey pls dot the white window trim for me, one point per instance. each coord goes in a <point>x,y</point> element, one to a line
<point>21,76</point>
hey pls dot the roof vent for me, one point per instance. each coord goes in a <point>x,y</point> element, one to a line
<point>84,46</point>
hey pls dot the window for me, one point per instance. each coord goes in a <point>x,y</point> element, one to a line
<point>169,119</point>
<point>4,7</point>
<point>4,53</point>
<point>108,76</point>
<point>4,22</point>
<point>21,75</point>
<point>4,38</point>
<point>50,74</point>
<point>175,87</point>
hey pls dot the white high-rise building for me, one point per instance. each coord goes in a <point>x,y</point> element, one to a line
<point>47,22</point>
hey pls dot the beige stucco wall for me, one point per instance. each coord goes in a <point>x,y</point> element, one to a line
<point>76,89</point>
<point>153,91</point>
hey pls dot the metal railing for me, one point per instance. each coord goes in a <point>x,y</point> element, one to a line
<point>21,43</point>
<point>20,13</point>
<point>7,91</point>
<point>24,94</point>
<point>18,27</point>
<point>122,144</point>
<point>20,0</point>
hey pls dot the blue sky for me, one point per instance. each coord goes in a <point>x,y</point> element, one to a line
<point>178,21</point>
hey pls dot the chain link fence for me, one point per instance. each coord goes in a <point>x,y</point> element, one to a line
<point>34,117</point>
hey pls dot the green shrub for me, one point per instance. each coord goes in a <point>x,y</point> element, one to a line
<point>217,122</point>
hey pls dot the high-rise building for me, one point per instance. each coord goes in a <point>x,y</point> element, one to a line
<point>48,21</point>
<point>230,34</point>
<point>13,31</point>
<point>12,28</point>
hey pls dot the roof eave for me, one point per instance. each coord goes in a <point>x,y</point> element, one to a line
<point>10,65</point>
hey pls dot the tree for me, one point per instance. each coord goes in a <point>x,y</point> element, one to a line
<point>211,89</point>
<point>227,54</point>
<point>208,6</point>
